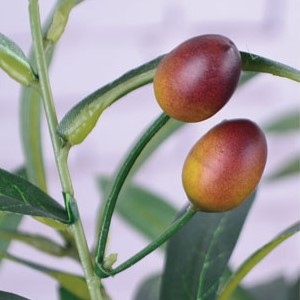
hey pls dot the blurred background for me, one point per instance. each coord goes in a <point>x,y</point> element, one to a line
<point>103,40</point>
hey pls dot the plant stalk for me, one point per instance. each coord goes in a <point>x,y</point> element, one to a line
<point>170,231</point>
<point>60,153</point>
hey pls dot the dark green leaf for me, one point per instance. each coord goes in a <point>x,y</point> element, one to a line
<point>66,295</point>
<point>10,296</point>
<point>19,196</point>
<point>285,123</point>
<point>294,290</point>
<point>149,289</point>
<point>275,289</point>
<point>145,211</point>
<point>198,254</point>
<point>14,62</point>
<point>73,283</point>
<point>290,168</point>
<point>254,259</point>
<point>8,221</point>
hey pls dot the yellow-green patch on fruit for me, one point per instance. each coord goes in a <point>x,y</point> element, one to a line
<point>224,167</point>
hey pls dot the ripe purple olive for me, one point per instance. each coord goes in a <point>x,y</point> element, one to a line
<point>225,165</point>
<point>196,79</point>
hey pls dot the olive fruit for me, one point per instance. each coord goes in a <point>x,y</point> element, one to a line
<point>225,165</point>
<point>196,79</point>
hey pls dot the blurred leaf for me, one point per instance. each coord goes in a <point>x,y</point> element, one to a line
<point>285,123</point>
<point>71,282</point>
<point>198,254</point>
<point>142,209</point>
<point>254,259</point>
<point>294,290</point>
<point>8,221</point>
<point>276,289</point>
<point>10,296</point>
<point>149,289</point>
<point>290,168</point>
<point>66,295</point>
<point>19,196</point>
<point>14,62</point>
<point>36,241</point>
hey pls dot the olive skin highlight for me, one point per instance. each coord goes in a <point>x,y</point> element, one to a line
<point>225,165</point>
<point>196,79</point>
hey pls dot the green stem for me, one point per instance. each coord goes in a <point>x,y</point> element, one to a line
<point>173,228</point>
<point>60,154</point>
<point>119,181</point>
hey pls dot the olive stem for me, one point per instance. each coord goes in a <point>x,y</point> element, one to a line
<point>169,232</point>
<point>59,152</point>
<point>119,182</point>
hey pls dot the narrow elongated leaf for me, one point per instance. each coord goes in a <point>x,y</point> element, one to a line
<point>9,221</point>
<point>290,168</point>
<point>198,254</point>
<point>255,63</point>
<point>71,282</point>
<point>10,296</point>
<point>19,196</point>
<point>254,259</point>
<point>142,209</point>
<point>285,123</point>
<point>14,62</point>
<point>149,289</point>
<point>36,241</point>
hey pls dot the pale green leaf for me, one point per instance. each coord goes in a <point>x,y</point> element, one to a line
<point>254,259</point>
<point>14,62</point>
<point>71,282</point>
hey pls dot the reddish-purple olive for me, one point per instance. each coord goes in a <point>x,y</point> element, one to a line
<point>225,165</point>
<point>197,78</point>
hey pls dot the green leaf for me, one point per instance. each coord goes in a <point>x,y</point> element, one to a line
<point>290,168</point>
<point>275,289</point>
<point>149,289</point>
<point>64,294</point>
<point>254,259</point>
<point>294,290</point>
<point>82,118</point>
<point>36,241</point>
<point>71,282</point>
<point>145,211</point>
<point>255,63</point>
<point>8,221</point>
<point>197,255</point>
<point>10,296</point>
<point>285,123</point>
<point>14,62</point>
<point>19,196</point>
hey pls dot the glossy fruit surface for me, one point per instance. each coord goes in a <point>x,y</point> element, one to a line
<point>225,165</point>
<point>196,79</point>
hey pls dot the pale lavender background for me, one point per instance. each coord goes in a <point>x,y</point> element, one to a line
<point>103,40</point>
